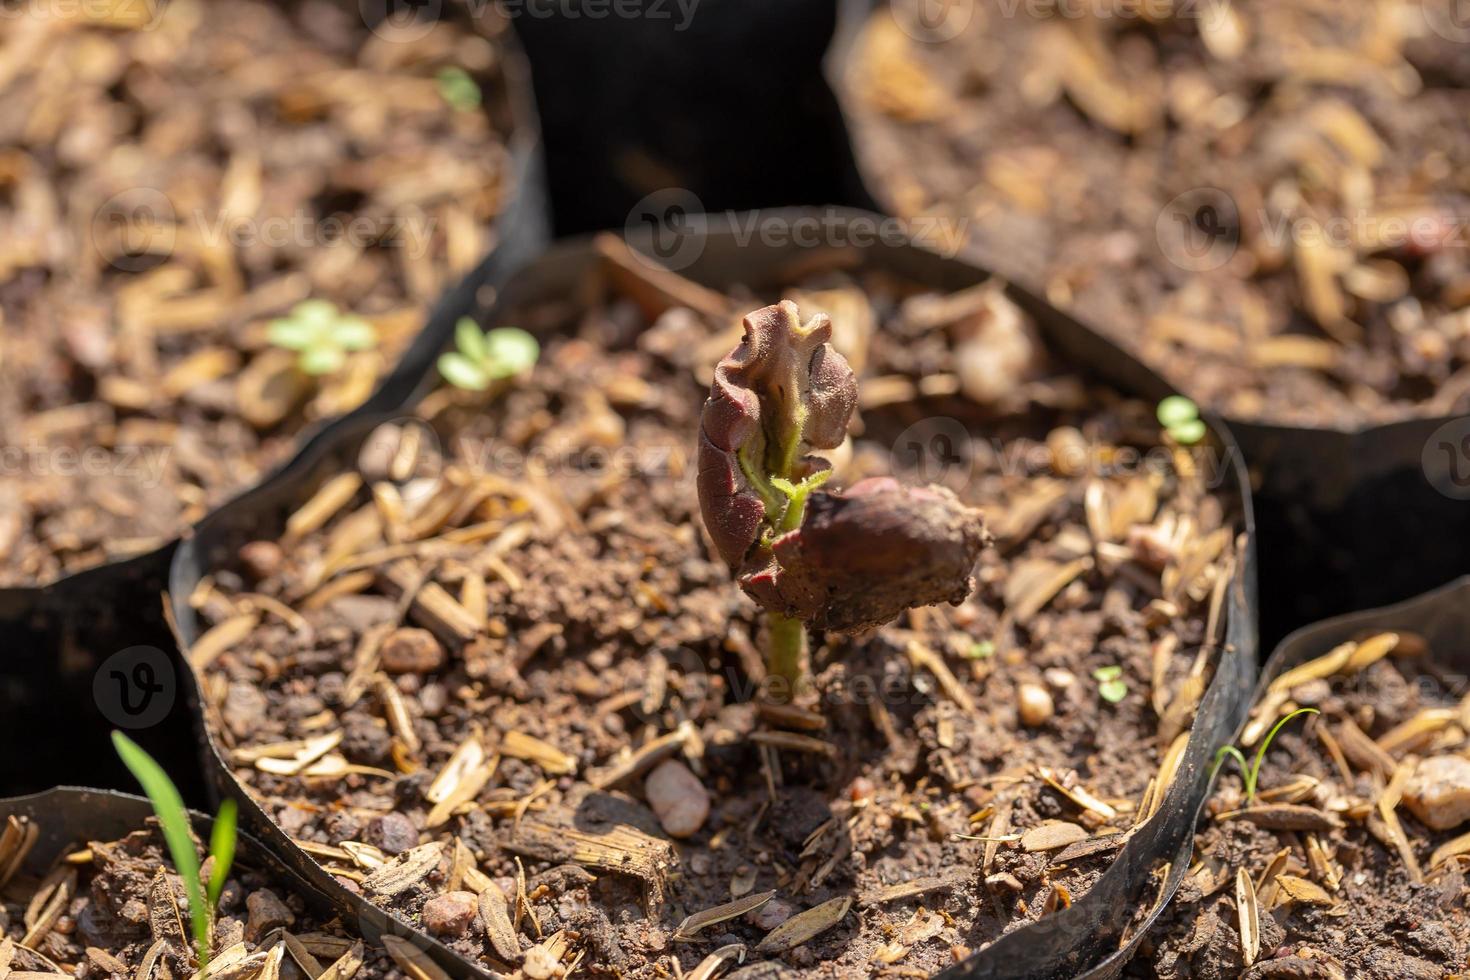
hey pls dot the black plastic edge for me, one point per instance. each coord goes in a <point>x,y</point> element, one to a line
<point>1100,931</point>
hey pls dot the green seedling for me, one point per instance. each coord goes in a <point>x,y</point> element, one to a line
<point>980,650</point>
<point>1111,686</point>
<point>484,358</point>
<point>1252,773</point>
<point>321,335</point>
<point>458,89</point>
<point>1180,418</point>
<point>168,806</point>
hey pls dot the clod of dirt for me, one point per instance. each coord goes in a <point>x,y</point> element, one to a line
<point>412,651</point>
<point>678,798</point>
<point>1439,791</point>
<point>266,912</point>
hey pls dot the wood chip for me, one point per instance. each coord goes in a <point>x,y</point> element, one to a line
<point>805,926</point>
<point>405,871</point>
<point>412,960</point>
<point>643,758</point>
<point>622,849</point>
<point>1388,802</point>
<point>693,924</point>
<point>1285,816</point>
<point>915,887</point>
<point>430,606</point>
<point>555,762</point>
<point>795,743</point>
<point>220,638</point>
<point>1051,835</point>
<point>495,914</point>
<point>1250,917</point>
<point>346,966</point>
<point>1303,890</point>
<point>713,964</point>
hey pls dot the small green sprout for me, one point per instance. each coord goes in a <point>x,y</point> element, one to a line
<point>174,819</point>
<point>981,650</point>
<point>457,88</point>
<point>483,358</point>
<point>1180,418</point>
<point>1111,686</point>
<point>1252,773</point>
<point>321,335</point>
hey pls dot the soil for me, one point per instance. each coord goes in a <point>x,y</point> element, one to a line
<point>1372,917</point>
<point>167,188</point>
<point>496,645</point>
<point>1265,200</point>
<point>113,920</point>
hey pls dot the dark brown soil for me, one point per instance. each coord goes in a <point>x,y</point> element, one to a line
<point>1376,918</point>
<point>582,628</point>
<point>165,192</point>
<point>1086,146</point>
<point>112,919</point>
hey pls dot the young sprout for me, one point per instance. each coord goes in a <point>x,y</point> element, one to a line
<point>457,88</point>
<point>168,806</point>
<point>1180,418</point>
<point>1111,686</point>
<point>1252,773</point>
<point>484,358</point>
<point>321,335</point>
<point>845,561</point>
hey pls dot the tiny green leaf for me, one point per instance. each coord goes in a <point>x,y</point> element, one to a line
<point>457,88</point>
<point>1112,691</point>
<point>1176,410</point>
<point>982,650</point>
<point>470,340</point>
<point>354,333</point>
<point>510,351</point>
<point>222,849</point>
<point>462,372</point>
<point>174,819</point>
<point>322,360</point>
<point>293,334</point>
<point>321,312</point>
<point>1110,673</point>
<point>1187,433</point>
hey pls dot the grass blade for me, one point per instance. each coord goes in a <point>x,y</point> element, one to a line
<point>169,807</point>
<point>222,849</point>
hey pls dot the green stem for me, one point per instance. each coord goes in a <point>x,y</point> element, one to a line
<point>788,646</point>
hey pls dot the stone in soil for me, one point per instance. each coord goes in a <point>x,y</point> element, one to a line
<point>1439,792</point>
<point>450,914</point>
<point>412,651</point>
<point>678,798</point>
<point>392,833</point>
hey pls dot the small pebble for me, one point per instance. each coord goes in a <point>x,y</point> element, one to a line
<point>261,559</point>
<point>1439,792</point>
<point>861,789</point>
<point>450,914</point>
<point>677,797</point>
<point>411,651</point>
<point>770,915</point>
<point>540,964</point>
<point>1034,704</point>
<point>265,912</point>
<point>392,833</point>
